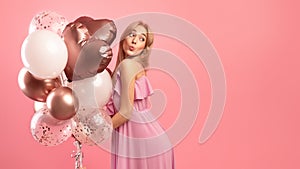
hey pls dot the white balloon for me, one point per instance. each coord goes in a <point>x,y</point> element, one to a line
<point>94,91</point>
<point>103,88</point>
<point>85,92</point>
<point>44,54</point>
<point>38,105</point>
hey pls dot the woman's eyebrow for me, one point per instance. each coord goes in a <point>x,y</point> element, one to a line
<point>134,31</point>
<point>144,34</point>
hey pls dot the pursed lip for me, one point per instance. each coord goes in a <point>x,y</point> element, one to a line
<point>131,48</point>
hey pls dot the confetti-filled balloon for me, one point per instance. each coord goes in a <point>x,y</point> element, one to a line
<point>49,131</point>
<point>93,126</point>
<point>48,20</point>
<point>80,134</point>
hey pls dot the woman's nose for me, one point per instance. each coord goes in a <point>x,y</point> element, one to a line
<point>133,40</point>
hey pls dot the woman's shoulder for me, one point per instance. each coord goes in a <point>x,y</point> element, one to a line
<point>129,68</point>
<point>130,62</point>
<point>130,65</point>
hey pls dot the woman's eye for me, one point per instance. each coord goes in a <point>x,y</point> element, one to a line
<point>131,35</point>
<point>142,39</point>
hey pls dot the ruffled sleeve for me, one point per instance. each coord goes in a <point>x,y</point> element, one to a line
<point>142,88</point>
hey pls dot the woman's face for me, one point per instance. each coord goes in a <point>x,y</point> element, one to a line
<point>135,42</point>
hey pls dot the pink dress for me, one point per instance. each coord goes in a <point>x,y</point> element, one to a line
<point>140,143</point>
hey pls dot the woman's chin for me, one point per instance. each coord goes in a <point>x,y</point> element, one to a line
<point>133,53</point>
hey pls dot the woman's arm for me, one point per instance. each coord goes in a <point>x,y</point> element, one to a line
<point>128,71</point>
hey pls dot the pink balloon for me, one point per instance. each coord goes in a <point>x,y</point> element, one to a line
<point>48,20</point>
<point>49,131</point>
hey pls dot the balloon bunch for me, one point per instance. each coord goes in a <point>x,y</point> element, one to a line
<point>65,75</point>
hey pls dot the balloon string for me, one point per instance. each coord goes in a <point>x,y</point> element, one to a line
<point>78,155</point>
<point>63,79</point>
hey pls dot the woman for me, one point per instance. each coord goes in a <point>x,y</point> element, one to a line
<point>138,141</point>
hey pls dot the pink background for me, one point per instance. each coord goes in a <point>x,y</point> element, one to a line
<point>258,44</point>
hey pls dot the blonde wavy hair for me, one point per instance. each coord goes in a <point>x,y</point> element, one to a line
<point>142,58</point>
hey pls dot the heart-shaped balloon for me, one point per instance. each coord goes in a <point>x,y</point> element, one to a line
<point>90,35</point>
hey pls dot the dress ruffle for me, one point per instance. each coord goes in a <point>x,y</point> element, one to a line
<point>142,87</point>
<point>142,90</point>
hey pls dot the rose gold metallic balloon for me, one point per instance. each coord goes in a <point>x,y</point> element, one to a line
<point>102,29</point>
<point>81,32</point>
<point>62,103</point>
<point>34,88</point>
<point>93,56</point>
